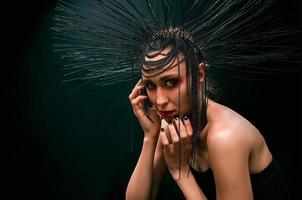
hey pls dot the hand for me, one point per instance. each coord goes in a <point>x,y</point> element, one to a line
<point>149,122</point>
<point>177,142</point>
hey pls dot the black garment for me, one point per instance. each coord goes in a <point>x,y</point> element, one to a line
<point>269,184</point>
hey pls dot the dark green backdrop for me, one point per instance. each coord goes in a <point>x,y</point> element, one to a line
<point>78,145</point>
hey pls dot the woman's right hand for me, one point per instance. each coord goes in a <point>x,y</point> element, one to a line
<point>150,122</point>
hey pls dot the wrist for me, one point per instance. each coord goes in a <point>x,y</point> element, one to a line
<point>183,176</point>
<point>189,187</point>
<point>180,174</point>
<point>150,140</point>
<point>151,136</point>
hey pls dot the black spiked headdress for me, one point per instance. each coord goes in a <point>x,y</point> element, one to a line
<point>103,40</point>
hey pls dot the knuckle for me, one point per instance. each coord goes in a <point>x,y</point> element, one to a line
<point>182,129</point>
<point>165,143</point>
<point>183,136</point>
<point>187,123</point>
<point>175,139</point>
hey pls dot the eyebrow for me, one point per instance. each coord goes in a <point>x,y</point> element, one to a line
<point>164,78</point>
<point>170,76</point>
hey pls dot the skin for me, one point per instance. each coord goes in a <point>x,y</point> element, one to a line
<point>230,145</point>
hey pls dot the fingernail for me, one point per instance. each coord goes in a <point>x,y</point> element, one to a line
<point>176,118</point>
<point>162,129</point>
<point>186,117</point>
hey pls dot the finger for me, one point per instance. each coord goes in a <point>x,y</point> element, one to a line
<point>138,99</point>
<point>173,132</point>
<point>188,125</point>
<point>138,108</point>
<point>139,82</point>
<point>136,92</point>
<point>180,128</point>
<point>154,115</point>
<point>168,135</point>
<point>164,138</point>
<point>143,115</point>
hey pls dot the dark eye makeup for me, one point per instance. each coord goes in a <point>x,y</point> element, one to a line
<point>149,85</point>
<point>171,82</point>
<point>167,83</point>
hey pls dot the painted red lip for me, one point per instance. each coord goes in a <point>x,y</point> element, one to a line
<point>167,114</point>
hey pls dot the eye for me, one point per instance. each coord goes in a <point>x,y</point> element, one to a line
<point>171,82</point>
<point>150,86</point>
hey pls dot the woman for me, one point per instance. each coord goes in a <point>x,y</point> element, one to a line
<point>222,156</point>
<point>210,150</point>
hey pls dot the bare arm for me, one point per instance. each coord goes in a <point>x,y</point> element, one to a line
<point>159,168</point>
<point>229,153</point>
<point>141,182</point>
<point>146,177</point>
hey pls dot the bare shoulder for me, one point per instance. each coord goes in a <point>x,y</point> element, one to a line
<point>228,127</point>
<point>229,133</point>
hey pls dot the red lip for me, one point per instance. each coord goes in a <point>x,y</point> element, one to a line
<point>167,114</point>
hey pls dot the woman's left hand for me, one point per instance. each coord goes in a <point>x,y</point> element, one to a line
<point>177,142</point>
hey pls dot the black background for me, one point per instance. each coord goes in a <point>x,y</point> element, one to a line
<point>51,152</point>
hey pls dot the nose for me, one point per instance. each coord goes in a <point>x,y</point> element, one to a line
<point>161,98</point>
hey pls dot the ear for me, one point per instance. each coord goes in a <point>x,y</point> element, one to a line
<point>201,71</point>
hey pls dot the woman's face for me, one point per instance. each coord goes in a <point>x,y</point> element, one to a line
<point>168,90</point>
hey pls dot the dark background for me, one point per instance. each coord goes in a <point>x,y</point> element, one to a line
<point>63,145</point>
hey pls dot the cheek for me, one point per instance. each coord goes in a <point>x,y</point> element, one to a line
<point>177,94</point>
<point>184,98</point>
<point>151,95</point>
